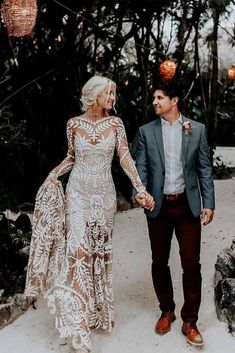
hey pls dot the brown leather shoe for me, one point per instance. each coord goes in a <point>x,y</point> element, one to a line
<point>163,325</point>
<point>192,334</point>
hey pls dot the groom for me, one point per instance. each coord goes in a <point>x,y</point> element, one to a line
<point>172,159</point>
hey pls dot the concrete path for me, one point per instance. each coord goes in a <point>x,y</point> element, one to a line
<point>136,308</point>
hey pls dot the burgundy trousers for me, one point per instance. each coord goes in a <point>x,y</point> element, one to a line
<point>176,216</point>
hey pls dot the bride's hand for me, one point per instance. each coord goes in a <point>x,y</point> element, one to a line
<point>144,199</point>
<point>140,198</point>
<point>149,202</point>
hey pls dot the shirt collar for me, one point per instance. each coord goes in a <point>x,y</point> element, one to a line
<point>180,119</point>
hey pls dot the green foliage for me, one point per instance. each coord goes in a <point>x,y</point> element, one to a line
<point>221,171</point>
<point>11,134</point>
<point>220,5</point>
<point>14,235</point>
<point>14,145</point>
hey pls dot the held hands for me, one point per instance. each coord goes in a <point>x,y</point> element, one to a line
<point>144,199</point>
<point>206,216</point>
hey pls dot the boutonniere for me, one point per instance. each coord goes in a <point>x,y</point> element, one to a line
<point>186,127</point>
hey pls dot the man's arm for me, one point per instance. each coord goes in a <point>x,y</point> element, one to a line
<point>141,165</point>
<point>205,176</point>
<point>141,158</point>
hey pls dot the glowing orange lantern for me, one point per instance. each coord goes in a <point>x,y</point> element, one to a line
<point>231,72</point>
<point>167,69</point>
<point>19,16</point>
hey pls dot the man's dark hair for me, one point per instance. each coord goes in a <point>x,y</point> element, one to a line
<point>170,88</point>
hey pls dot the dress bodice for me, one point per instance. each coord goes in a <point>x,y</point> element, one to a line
<point>91,146</point>
<point>93,157</point>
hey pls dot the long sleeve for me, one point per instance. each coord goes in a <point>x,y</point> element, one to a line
<point>205,173</point>
<point>67,164</point>
<point>126,160</point>
<point>141,158</point>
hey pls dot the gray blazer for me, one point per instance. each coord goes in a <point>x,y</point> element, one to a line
<point>150,163</point>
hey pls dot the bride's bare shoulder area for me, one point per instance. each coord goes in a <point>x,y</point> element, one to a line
<point>75,120</point>
<point>78,117</point>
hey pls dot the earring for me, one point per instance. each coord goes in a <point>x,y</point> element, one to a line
<point>94,108</point>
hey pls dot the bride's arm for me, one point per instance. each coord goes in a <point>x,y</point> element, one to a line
<point>126,160</point>
<point>67,164</point>
<point>128,165</point>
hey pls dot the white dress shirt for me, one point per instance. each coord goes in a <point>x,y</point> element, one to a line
<point>172,142</point>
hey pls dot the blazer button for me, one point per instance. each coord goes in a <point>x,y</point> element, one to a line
<point>163,173</point>
<point>161,187</point>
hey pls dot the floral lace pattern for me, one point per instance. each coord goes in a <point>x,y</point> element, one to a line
<point>48,243</point>
<point>82,294</point>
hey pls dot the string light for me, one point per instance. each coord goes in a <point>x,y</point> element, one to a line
<point>19,17</point>
<point>167,69</point>
<point>231,72</point>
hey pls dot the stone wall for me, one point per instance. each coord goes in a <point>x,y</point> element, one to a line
<point>13,308</point>
<point>224,289</point>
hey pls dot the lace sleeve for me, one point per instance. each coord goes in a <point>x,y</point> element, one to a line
<point>126,160</point>
<point>67,164</point>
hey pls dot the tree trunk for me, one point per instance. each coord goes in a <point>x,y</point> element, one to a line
<point>143,77</point>
<point>211,120</point>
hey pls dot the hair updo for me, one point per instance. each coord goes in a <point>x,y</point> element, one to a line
<point>93,88</point>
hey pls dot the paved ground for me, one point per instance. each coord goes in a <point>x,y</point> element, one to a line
<point>135,304</point>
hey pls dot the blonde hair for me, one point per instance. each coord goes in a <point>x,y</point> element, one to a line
<point>92,88</point>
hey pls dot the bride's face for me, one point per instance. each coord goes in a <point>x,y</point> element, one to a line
<point>106,99</point>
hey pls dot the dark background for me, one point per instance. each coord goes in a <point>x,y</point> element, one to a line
<point>41,77</point>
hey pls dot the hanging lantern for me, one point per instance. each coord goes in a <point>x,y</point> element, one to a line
<point>231,72</point>
<point>167,69</point>
<point>19,16</point>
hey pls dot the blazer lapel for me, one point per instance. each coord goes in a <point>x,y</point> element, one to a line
<point>158,135</point>
<point>185,141</point>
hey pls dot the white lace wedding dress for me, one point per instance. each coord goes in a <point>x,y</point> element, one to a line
<point>83,289</point>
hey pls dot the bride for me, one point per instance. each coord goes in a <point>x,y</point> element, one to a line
<point>71,248</point>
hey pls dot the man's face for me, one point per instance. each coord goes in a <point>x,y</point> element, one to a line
<point>162,103</point>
